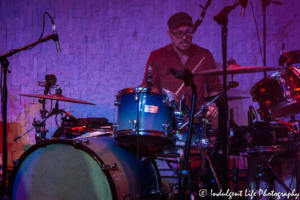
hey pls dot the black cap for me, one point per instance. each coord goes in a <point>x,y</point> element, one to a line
<point>179,18</point>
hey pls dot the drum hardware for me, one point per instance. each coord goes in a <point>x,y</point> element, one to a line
<point>134,122</point>
<point>84,141</point>
<point>116,102</point>
<point>165,125</point>
<point>265,163</point>
<point>15,162</point>
<point>35,124</point>
<point>108,167</point>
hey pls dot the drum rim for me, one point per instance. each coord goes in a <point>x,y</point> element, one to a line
<point>140,90</point>
<point>271,76</point>
<point>60,141</point>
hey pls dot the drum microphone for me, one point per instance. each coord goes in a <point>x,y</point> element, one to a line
<point>182,104</point>
<point>244,6</point>
<point>251,115</point>
<point>281,60</point>
<point>149,78</point>
<point>55,37</point>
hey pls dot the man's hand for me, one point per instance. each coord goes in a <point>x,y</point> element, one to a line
<point>212,111</point>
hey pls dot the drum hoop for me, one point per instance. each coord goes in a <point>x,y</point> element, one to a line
<point>270,77</point>
<point>138,90</point>
<point>60,141</point>
<point>142,132</point>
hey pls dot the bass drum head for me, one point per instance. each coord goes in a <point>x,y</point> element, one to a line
<point>64,169</point>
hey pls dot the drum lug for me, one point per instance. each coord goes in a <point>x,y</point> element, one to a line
<point>115,127</point>
<point>117,102</point>
<point>287,94</point>
<point>165,125</point>
<point>204,143</point>
<point>158,191</point>
<point>166,102</point>
<point>15,162</point>
<point>108,167</point>
<point>85,141</point>
<point>134,122</point>
<point>280,80</point>
<point>136,97</point>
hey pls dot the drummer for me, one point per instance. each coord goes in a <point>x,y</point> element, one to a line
<point>179,53</point>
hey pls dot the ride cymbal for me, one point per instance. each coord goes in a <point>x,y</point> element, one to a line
<point>236,69</point>
<point>229,98</point>
<point>58,97</point>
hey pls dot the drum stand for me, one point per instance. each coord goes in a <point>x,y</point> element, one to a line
<point>271,175</point>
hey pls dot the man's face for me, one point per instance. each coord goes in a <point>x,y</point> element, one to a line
<point>182,44</point>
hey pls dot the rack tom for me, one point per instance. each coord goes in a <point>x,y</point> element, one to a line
<point>278,95</point>
<point>147,113</point>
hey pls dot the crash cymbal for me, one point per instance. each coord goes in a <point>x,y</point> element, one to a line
<point>58,97</point>
<point>236,69</point>
<point>229,98</point>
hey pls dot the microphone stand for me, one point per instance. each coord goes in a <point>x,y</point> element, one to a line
<point>222,19</point>
<point>4,64</point>
<point>187,76</point>
<point>265,3</point>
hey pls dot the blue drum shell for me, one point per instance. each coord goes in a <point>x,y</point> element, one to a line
<point>153,113</point>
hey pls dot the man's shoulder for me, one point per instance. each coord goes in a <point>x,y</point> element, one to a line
<point>197,48</point>
<point>162,50</point>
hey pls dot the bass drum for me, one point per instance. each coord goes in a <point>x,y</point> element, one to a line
<point>69,169</point>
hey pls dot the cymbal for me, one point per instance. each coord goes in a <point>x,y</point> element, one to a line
<point>229,98</point>
<point>236,69</point>
<point>58,97</point>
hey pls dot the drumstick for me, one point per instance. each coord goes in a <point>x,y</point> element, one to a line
<point>192,72</point>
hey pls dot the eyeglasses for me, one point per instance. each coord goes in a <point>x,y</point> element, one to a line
<point>179,34</point>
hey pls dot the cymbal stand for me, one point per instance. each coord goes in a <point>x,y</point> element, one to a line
<point>265,3</point>
<point>222,19</point>
<point>41,131</point>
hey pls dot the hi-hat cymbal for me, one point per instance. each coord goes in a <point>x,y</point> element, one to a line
<point>229,98</point>
<point>58,97</point>
<point>236,69</point>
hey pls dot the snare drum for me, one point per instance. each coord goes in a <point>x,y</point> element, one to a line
<point>176,149</point>
<point>153,111</point>
<point>69,169</point>
<point>278,95</point>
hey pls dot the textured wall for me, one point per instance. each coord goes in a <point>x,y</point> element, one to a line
<point>105,45</point>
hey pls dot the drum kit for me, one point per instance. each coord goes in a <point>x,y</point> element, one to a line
<point>141,156</point>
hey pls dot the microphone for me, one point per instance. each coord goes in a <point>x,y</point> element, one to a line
<point>56,38</point>
<point>281,60</point>
<point>244,5</point>
<point>149,78</point>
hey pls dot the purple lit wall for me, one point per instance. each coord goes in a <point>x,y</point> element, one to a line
<point>105,45</point>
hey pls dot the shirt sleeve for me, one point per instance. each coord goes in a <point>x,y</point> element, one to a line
<point>213,83</point>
